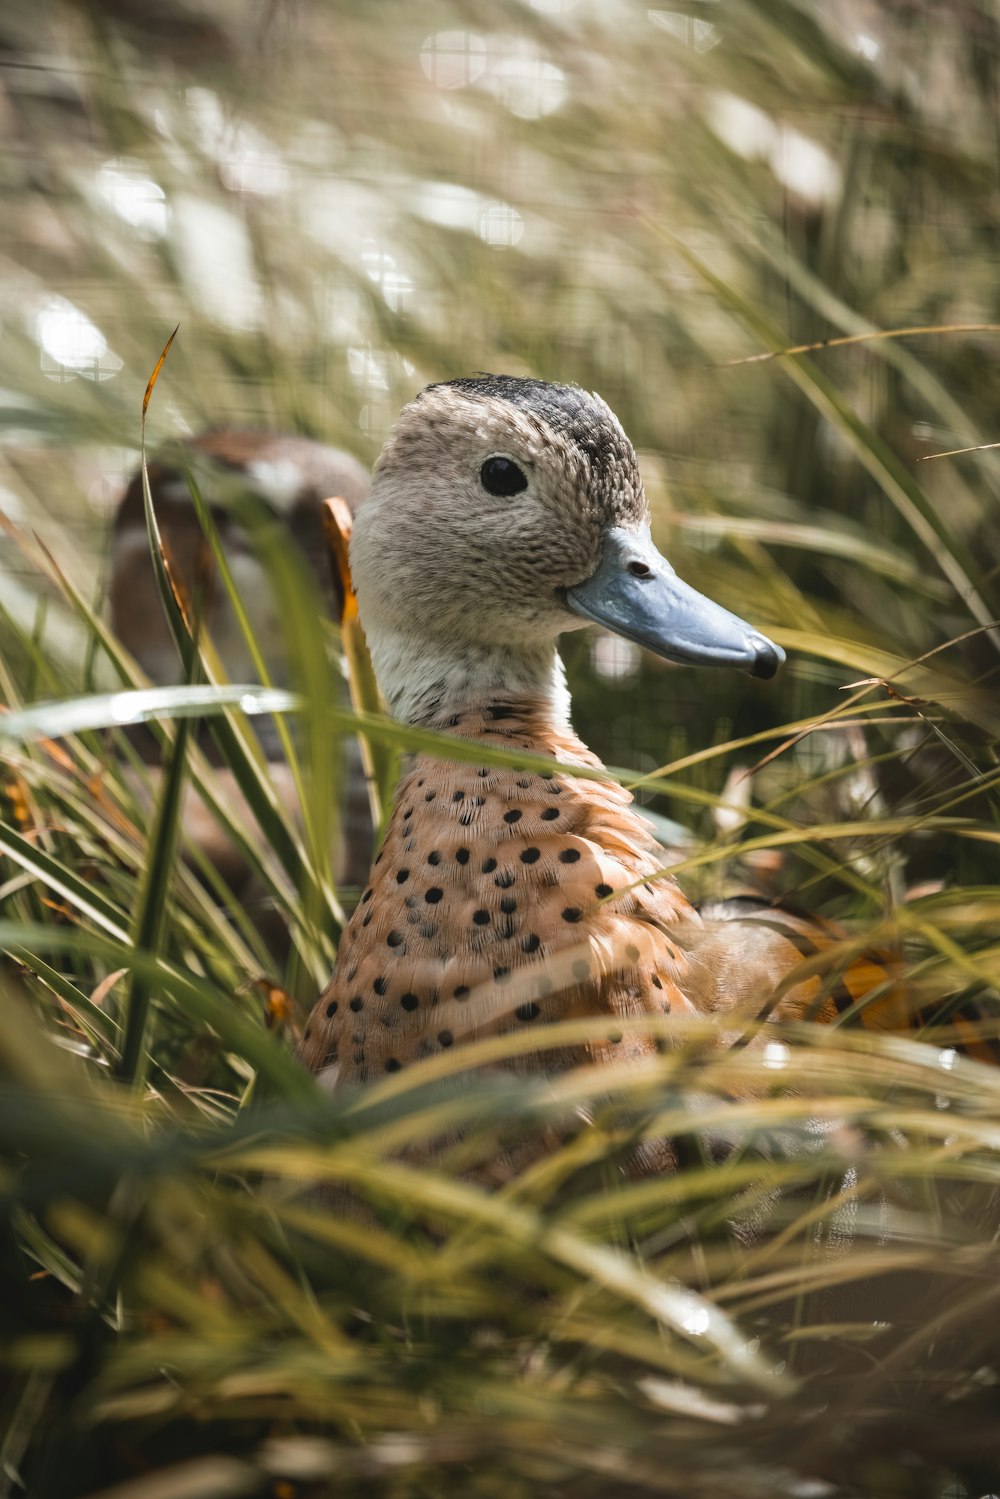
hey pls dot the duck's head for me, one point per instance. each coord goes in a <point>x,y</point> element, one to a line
<point>502,512</point>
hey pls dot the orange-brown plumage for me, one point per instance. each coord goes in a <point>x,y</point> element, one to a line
<point>493,905</point>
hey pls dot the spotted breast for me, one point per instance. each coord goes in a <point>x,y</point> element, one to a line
<point>502,898</point>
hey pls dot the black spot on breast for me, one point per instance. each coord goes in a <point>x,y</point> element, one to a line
<point>445,1038</point>
<point>462,856</point>
<point>527,1012</point>
<point>434,858</point>
<point>433,895</point>
<point>550,814</point>
<point>657,983</point>
<point>481,917</point>
<point>504,880</point>
<point>489,865</point>
<point>429,796</point>
<point>572,913</point>
<point>368,894</point>
<point>331,1009</point>
<point>569,856</point>
<point>357,1003</point>
<point>603,890</point>
<point>407,814</point>
<point>508,905</point>
<point>462,992</point>
<point>409,1001</point>
<point>392,1065</point>
<point>514,815</point>
<point>500,974</point>
<point>395,939</point>
<point>380,985</point>
<point>531,943</point>
<point>530,855</point>
<point>459,796</point>
<point>402,875</point>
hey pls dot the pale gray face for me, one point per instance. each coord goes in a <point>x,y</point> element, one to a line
<point>502,512</point>
<point>440,548</point>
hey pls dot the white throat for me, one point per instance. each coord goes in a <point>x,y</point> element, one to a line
<point>424,681</point>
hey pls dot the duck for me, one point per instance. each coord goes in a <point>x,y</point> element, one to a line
<point>291,476</point>
<point>503,513</point>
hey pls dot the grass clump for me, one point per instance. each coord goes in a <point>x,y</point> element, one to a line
<point>809,1306</point>
<point>222,1281</point>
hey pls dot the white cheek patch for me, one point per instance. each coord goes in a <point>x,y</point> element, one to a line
<point>174,490</point>
<point>131,547</point>
<point>278,479</point>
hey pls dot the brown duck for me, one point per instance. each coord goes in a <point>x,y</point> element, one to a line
<point>289,476</point>
<point>503,512</point>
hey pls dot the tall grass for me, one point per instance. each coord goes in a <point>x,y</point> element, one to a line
<point>809,1306</point>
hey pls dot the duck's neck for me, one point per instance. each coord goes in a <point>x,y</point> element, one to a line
<point>427,682</point>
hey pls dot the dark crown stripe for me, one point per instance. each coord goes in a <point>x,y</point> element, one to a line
<point>567,409</point>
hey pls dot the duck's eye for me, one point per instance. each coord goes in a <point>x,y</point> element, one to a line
<point>501,476</point>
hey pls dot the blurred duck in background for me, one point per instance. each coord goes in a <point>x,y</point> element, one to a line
<point>234,469</point>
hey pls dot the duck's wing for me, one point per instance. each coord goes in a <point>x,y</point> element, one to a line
<point>757,961</point>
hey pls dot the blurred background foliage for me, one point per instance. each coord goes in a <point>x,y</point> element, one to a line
<point>339,203</point>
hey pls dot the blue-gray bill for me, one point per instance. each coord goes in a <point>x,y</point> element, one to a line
<point>636,593</point>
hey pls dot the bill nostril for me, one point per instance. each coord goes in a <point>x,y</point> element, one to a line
<point>640,569</point>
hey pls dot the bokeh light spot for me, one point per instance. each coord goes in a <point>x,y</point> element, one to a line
<point>71,344</point>
<point>453,59</point>
<point>528,86</point>
<point>500,225</point>
<point>126,186</point>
